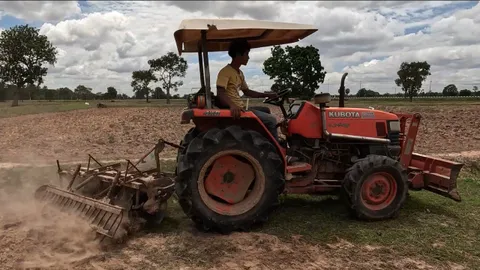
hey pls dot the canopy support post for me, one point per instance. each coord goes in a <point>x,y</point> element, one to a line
<point>200,65</point>
<point>208,97</point>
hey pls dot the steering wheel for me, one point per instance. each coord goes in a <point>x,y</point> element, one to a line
<point>279,99</point>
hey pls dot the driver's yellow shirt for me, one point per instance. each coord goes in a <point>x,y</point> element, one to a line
<point>233,82</point>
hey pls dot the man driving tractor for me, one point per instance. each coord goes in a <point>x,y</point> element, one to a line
<point>231,80</point>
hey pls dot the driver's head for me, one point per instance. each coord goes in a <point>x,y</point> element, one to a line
<point>239,50</point>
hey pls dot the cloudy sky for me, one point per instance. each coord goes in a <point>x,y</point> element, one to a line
<point>100,43</point>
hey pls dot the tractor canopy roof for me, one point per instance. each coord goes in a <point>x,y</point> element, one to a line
<point>220,32</point>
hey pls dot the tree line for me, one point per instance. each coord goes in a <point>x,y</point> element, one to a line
<point>81,92</point>
<point>449,90</point>
<point>34,92</point>
<point>24,54</point>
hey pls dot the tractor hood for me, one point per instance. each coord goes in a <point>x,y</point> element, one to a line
<point>359,113</point>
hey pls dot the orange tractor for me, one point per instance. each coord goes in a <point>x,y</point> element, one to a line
<point>230,172</point>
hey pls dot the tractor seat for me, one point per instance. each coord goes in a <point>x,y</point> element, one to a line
<point>322,98</point>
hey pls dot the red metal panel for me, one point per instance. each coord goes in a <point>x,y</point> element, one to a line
<point>425,172</point>
<point>438,175</point>
<point>409,138</point>
<point>301,167</point>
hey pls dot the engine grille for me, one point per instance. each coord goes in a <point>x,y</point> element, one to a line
<point>394,137</point>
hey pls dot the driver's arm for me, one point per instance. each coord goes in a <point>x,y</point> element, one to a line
<point>254,94</point>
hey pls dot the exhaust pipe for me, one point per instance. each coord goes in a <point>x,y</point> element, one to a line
<point>341,102</point>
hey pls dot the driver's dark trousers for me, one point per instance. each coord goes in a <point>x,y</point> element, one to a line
<point>268,120</point>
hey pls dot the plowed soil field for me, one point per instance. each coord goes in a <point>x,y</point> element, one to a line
<point>33,238</point>
<point>114,133</point>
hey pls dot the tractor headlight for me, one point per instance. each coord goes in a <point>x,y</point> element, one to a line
<point>394,126</point>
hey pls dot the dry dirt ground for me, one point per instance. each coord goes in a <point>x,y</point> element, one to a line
<point>34,238</point>
<point>114,133</point>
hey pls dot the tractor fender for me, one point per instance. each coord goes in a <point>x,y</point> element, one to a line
<point>205,119</point>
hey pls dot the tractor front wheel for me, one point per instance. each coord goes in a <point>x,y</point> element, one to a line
<point>229,179</point>
<point>375,188</point>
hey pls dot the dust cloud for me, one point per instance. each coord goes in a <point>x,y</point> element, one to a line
<point>34,235</point>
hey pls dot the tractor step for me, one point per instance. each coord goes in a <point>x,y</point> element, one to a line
<point>299,167</point>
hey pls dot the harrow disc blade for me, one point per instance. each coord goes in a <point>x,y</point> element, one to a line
<point>107,219</point>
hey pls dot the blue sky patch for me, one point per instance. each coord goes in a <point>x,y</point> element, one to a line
<point>415,29</point>
<point>8,21</point>
<point>84,5</point>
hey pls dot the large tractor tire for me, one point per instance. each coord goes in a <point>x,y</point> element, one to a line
<point>189,136</point>
<point>375,188</point>
<point>229,179</point>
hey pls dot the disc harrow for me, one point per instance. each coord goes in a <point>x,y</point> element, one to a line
<point>113,196</point>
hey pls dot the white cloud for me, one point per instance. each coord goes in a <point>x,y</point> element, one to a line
<point>367,39</point>
<point>255,10</point>
<point>46,11</point>
<point>89,32</point>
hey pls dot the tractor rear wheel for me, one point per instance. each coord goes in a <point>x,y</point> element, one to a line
<point>189,136</point>
<point>375,188</point>
<point>229,179</point>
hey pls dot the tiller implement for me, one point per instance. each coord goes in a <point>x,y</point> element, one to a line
<point>111,198</point>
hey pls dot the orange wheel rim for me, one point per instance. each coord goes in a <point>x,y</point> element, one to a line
<point>252,196</point>
<point>378,191</point>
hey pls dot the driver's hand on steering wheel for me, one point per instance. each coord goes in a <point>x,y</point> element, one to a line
<point>271,95</point>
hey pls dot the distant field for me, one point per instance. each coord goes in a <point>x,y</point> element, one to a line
<point>42,106</point>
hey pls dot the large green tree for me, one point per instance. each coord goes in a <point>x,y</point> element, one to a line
<point>23,52</point>
<point>140,81</point>
<point>465,93</point>
<point>450,90</point>
<point>159,94</point>
<point>367,93</point>
<point>3,91</point>
<point>166,68</point>
<point>411,76</point>
<point>111,93</point>
<point>65,93</point>
<point>83,92</point>
<point>296,68</point>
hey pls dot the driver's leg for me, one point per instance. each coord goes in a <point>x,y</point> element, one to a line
<point>261,108</point>
<point>271,122</point>
<point>268,120</point>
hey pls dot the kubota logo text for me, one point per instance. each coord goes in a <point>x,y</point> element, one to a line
<point>343,115</point>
